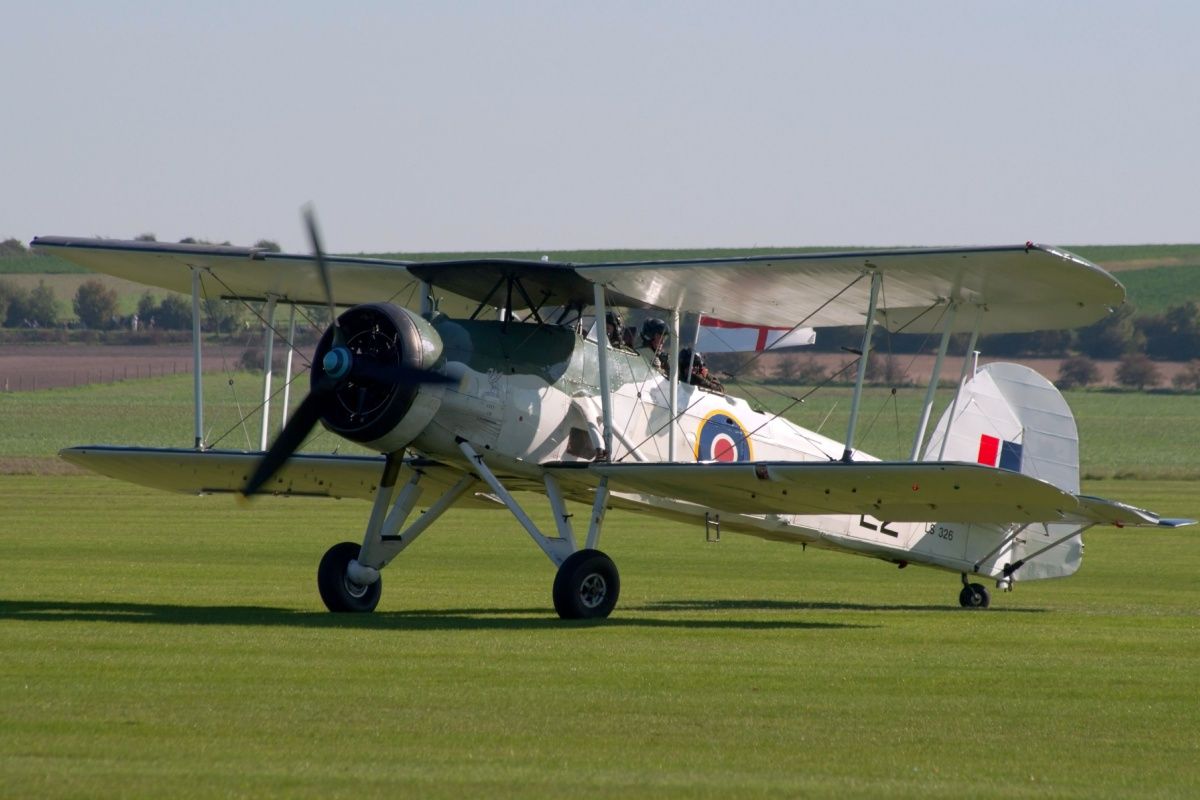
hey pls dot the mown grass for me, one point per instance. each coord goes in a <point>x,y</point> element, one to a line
<point>150,412</point>
<point>1122,434</point>
<point>166,645</point>
<point>159,645</point>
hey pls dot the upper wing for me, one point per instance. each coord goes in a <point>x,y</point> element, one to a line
<point>1031,287</point>
<point>894,491</point>
<point>1023,288</point>
<point>245,272</point>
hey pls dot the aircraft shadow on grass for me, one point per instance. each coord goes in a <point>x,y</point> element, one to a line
<point>801,605</point>
<point>532,618</point>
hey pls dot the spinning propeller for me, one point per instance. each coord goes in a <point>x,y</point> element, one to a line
<point>360,373</point>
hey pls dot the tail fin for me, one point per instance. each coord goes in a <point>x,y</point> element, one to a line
<point>1010,417</point>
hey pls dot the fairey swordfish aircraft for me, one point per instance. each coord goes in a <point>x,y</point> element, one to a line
<point>528,396</point>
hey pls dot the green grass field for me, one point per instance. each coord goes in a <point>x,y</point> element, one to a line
<point>165,645</point>
<point>159,645</point>
<point>1122,434</point>
<point>27,264</point>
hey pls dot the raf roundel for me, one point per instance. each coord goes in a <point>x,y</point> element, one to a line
<point>722,438</point>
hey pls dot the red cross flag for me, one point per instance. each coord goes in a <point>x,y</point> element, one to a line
<point>719,336</point>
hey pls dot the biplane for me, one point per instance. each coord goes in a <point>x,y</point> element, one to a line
<point>496,386</point>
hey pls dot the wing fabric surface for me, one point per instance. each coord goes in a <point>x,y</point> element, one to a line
<point>226,471</point>
<point>1012,289</point>
<point>245,272</point>
<point>893,491</point>
<point>1024,288</point>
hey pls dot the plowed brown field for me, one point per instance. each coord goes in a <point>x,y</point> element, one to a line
<point>30,367</point>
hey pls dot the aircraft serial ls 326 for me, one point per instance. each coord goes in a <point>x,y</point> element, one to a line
<point>527,394</point>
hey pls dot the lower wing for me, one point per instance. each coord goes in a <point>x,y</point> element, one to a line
<point>894,491</point>
<point>226,471</point>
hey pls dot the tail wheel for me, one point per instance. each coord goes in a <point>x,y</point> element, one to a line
<point>975,595</point>
<point>587,586</point>
<point>338,592</point>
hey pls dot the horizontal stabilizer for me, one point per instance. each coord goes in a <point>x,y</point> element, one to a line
<point>1111,512</point>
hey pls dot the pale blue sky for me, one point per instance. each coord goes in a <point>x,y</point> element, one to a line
<point>547,125</point>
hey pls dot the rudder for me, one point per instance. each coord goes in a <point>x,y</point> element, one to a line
<point>1009,416</point>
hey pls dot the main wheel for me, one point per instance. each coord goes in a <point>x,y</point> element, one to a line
<point>974,596</point>
<point>586,586</point>
<point>338,592</point>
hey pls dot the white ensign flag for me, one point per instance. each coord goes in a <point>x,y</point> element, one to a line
<point>719,336</point>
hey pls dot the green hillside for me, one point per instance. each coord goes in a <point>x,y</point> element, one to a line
<point>1153,291</point>
<point>30,264</point>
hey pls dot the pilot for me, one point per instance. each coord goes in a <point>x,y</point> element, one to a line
<point>699,373</point>
<point>614,327</point>
<point>654,331</point>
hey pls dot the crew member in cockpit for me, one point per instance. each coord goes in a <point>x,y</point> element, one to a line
<point>699,375</point>
<point>614,327</point>
<point>654,333</point>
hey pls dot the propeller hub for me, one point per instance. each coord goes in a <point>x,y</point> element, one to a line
<point>337,363</point>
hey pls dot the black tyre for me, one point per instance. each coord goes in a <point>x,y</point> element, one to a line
<point>974,596</point>
<point>338,592</point>
<point>587,586</point>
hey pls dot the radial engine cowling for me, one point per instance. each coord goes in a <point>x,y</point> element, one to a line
<point>384,415</point>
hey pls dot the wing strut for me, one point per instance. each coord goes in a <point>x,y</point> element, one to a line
<point>876,279</point>
<point>962,377</point>
<point>674,384</point>
<point>197,371</point>
<point>268,371</point>
<point>933,383</point>
<point>602,349</point>
<point>287,367</point>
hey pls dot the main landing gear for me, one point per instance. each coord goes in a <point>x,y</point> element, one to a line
<point>338,591</point>
<point>586,585</point>
<point>973,595</point>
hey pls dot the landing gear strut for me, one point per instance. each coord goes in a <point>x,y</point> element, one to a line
<point>974,595</point>
<point>586,586</point>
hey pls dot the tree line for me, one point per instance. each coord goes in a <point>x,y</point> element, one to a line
<point>97,307</point>
<point>1136,341</point>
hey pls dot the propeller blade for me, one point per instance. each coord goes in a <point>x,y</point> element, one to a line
<point>306,416</point>
<point>314,238</point>
<point>341,367</point>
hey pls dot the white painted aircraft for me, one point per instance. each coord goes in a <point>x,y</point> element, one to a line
<point>527,395</point>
